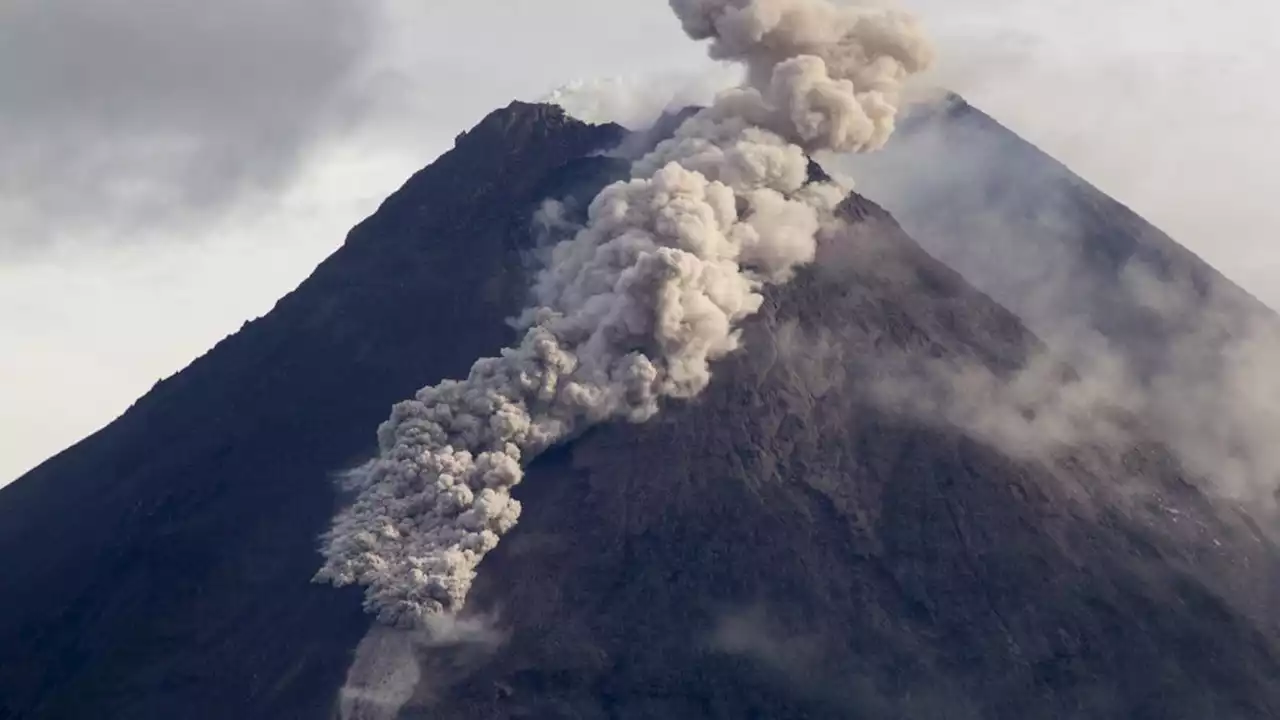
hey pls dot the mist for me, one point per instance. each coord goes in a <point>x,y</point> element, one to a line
<point>802,659</point>
<point>1140,341</point>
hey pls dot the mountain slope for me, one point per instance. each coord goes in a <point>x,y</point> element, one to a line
<point>784,546</point>
<point>161,568</point>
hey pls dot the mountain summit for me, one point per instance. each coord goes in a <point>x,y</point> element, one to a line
<point>786,545</point>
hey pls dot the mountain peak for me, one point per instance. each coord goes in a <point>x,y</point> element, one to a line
<point>522,122</point>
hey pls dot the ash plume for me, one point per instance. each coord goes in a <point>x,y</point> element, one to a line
<point>633,308</point>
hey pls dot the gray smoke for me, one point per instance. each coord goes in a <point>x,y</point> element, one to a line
<point>636,305</point>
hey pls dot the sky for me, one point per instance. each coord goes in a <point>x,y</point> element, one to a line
<point>169,170</point>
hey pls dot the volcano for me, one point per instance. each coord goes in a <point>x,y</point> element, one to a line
<point>782,546</point>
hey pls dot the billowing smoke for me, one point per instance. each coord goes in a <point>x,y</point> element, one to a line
<point>636,305</point>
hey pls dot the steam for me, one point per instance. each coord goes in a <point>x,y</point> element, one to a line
<point>636,305</point>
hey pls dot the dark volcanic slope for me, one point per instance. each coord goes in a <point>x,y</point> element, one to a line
<point>779,548</point>
<point>160,568</point>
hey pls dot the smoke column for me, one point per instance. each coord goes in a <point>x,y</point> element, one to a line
<point>636,305</point>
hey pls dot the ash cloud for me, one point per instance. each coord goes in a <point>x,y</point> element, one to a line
<point>122,117</point>
<point>636,305</point>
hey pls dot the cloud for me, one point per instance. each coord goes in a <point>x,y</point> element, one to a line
<point>123,117</point>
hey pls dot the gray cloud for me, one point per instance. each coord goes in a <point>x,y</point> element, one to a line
<point>117,116</point>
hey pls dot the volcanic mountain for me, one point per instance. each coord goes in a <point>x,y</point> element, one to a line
<point>787,545</point>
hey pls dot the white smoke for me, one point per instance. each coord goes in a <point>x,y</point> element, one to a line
<point>636,305</point>
<point>638,102</point>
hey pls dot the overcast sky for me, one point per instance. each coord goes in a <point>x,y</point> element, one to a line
<point>169,169</point>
